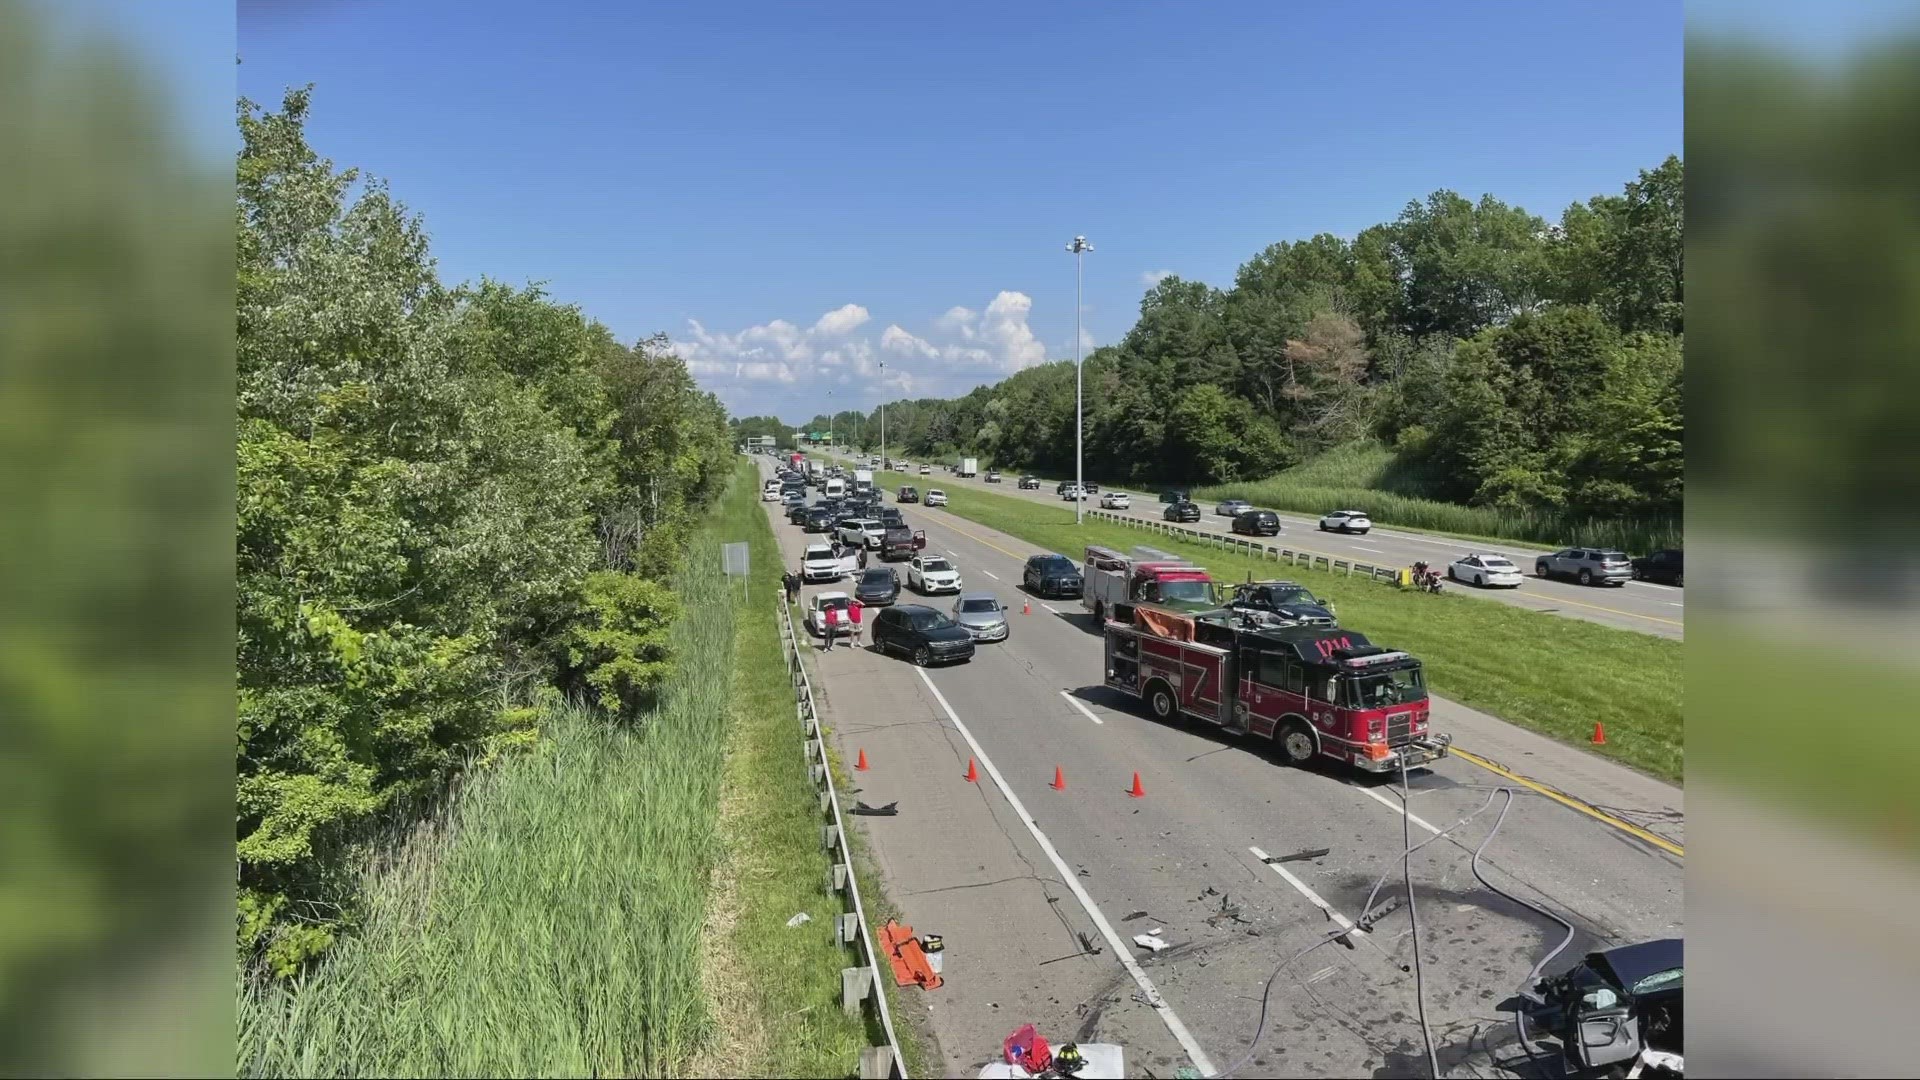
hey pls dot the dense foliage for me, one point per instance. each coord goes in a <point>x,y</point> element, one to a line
<point>440,491</point>
<point>1518,365</point>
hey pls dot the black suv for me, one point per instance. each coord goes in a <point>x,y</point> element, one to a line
<point>1029,482</point>
<point>820,519</point>
<point>797,513</point>
<point>1662,566</point>
<point>922,633</point>
<point>1173,496</point>
<point>878,585</point>
<point>1182,511</point>
<point>1051,575</point>
<point>908,494</point>
<point>1257,523</point>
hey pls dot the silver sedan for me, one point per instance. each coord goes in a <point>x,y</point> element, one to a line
<point>983,616</point>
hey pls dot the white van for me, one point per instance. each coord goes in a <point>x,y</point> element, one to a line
<point>770,491</point>
<point>834,488</point>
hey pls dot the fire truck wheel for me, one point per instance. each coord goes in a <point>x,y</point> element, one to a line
<point>1160,701</point>
<point>1296,743</point>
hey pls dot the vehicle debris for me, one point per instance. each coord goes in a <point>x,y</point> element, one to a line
<point>892,809</point>
<point>802,917</point>
<point>1298,856</point>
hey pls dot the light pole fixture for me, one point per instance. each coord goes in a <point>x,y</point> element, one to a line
<point>1079,249</point>
<point>883,415</point>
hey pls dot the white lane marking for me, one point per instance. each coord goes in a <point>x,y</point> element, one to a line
<point>990,573</point>
<point>1375,550</point>
<point>1312,897</point>
<point>1084,711</point>
<point>1673,603</point>
<point>1394,806</point>
<point>1051,608</point>
<point>1114,942</point>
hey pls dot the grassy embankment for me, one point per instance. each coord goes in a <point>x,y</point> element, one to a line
<point>612,902</point>
<point>1553,675</point>
<point>1366,476</point>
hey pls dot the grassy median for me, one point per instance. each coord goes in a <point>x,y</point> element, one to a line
<point>1553,675</point>
<point>778,987</point>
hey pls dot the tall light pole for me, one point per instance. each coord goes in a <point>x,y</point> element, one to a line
<point>883,414</point>
<point>1079,248</point>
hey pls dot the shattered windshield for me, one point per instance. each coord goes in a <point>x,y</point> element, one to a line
<point>1383,689</point>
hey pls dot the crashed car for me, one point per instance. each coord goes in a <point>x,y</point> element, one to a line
<point>1616,1008</point>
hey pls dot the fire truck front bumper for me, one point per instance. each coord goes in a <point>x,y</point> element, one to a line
<point>1380,758</point>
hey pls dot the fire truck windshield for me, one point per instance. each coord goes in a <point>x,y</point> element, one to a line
<point>1381,689</point>
<point>1199,592</point>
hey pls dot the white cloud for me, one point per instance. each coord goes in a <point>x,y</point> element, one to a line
<point>841,320</point>
<point>779,367</point>
<point>1150,278</point>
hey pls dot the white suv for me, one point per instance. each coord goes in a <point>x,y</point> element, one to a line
<point>1346,521</point>
<point>1116,500</point>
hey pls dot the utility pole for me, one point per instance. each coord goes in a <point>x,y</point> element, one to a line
<point>883,414</point>
<point>1079,248</point>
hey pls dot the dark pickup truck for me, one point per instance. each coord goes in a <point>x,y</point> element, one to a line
<point>901,542</point>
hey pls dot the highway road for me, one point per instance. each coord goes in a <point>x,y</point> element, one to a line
<point>1641,606</point>
<point>1039,892</point>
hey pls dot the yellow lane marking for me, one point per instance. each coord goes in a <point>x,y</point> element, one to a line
<point>1572,803</point>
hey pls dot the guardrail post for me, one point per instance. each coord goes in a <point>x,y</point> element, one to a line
<point>855,984</point>
<point>876,1063</point>
<point>830,837</point>
<point>849,928</point>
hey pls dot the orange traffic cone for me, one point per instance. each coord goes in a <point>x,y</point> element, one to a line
<point>861,765</point>
<point>1025,608</point>
<point>1138,792</point>
<point>1599,734</point>
<point>1059,779</point>
<point>973,774</point>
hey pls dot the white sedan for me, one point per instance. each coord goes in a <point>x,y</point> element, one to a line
<point>817,606</point>
<point>1116,500</point>
<point>1346,521</point>
<point>1486,570</point>
<point>932,574</point>
<point>936,497</point>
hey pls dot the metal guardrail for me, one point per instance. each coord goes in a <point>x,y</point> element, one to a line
<point>860,985</point>
<point>1311,560</point>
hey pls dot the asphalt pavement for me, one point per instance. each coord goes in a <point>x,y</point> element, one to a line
<point>1642,606</point>
<point>1039,892</point>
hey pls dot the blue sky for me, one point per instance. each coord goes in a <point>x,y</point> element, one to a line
<point>796,191</point>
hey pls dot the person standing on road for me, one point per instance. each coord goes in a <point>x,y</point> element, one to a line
<point>854,612</point>
<point>830,625</point>
<point>863,556</point>
<point>791,582</point>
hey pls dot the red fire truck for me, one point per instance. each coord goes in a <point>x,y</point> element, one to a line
<point>1110,579</point>
<point>1316,691</point>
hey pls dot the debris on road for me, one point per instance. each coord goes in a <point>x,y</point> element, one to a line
<point>889,810</point>
<point>1151,940</point>
<point>1227,913</point>
<point>1133,916</point>
<point>1298,856</point>
<point>802,917</point>
<point>1380,911</point>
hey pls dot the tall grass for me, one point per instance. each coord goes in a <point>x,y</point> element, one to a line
<point>1367,476</point>
<point>551,920</point>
